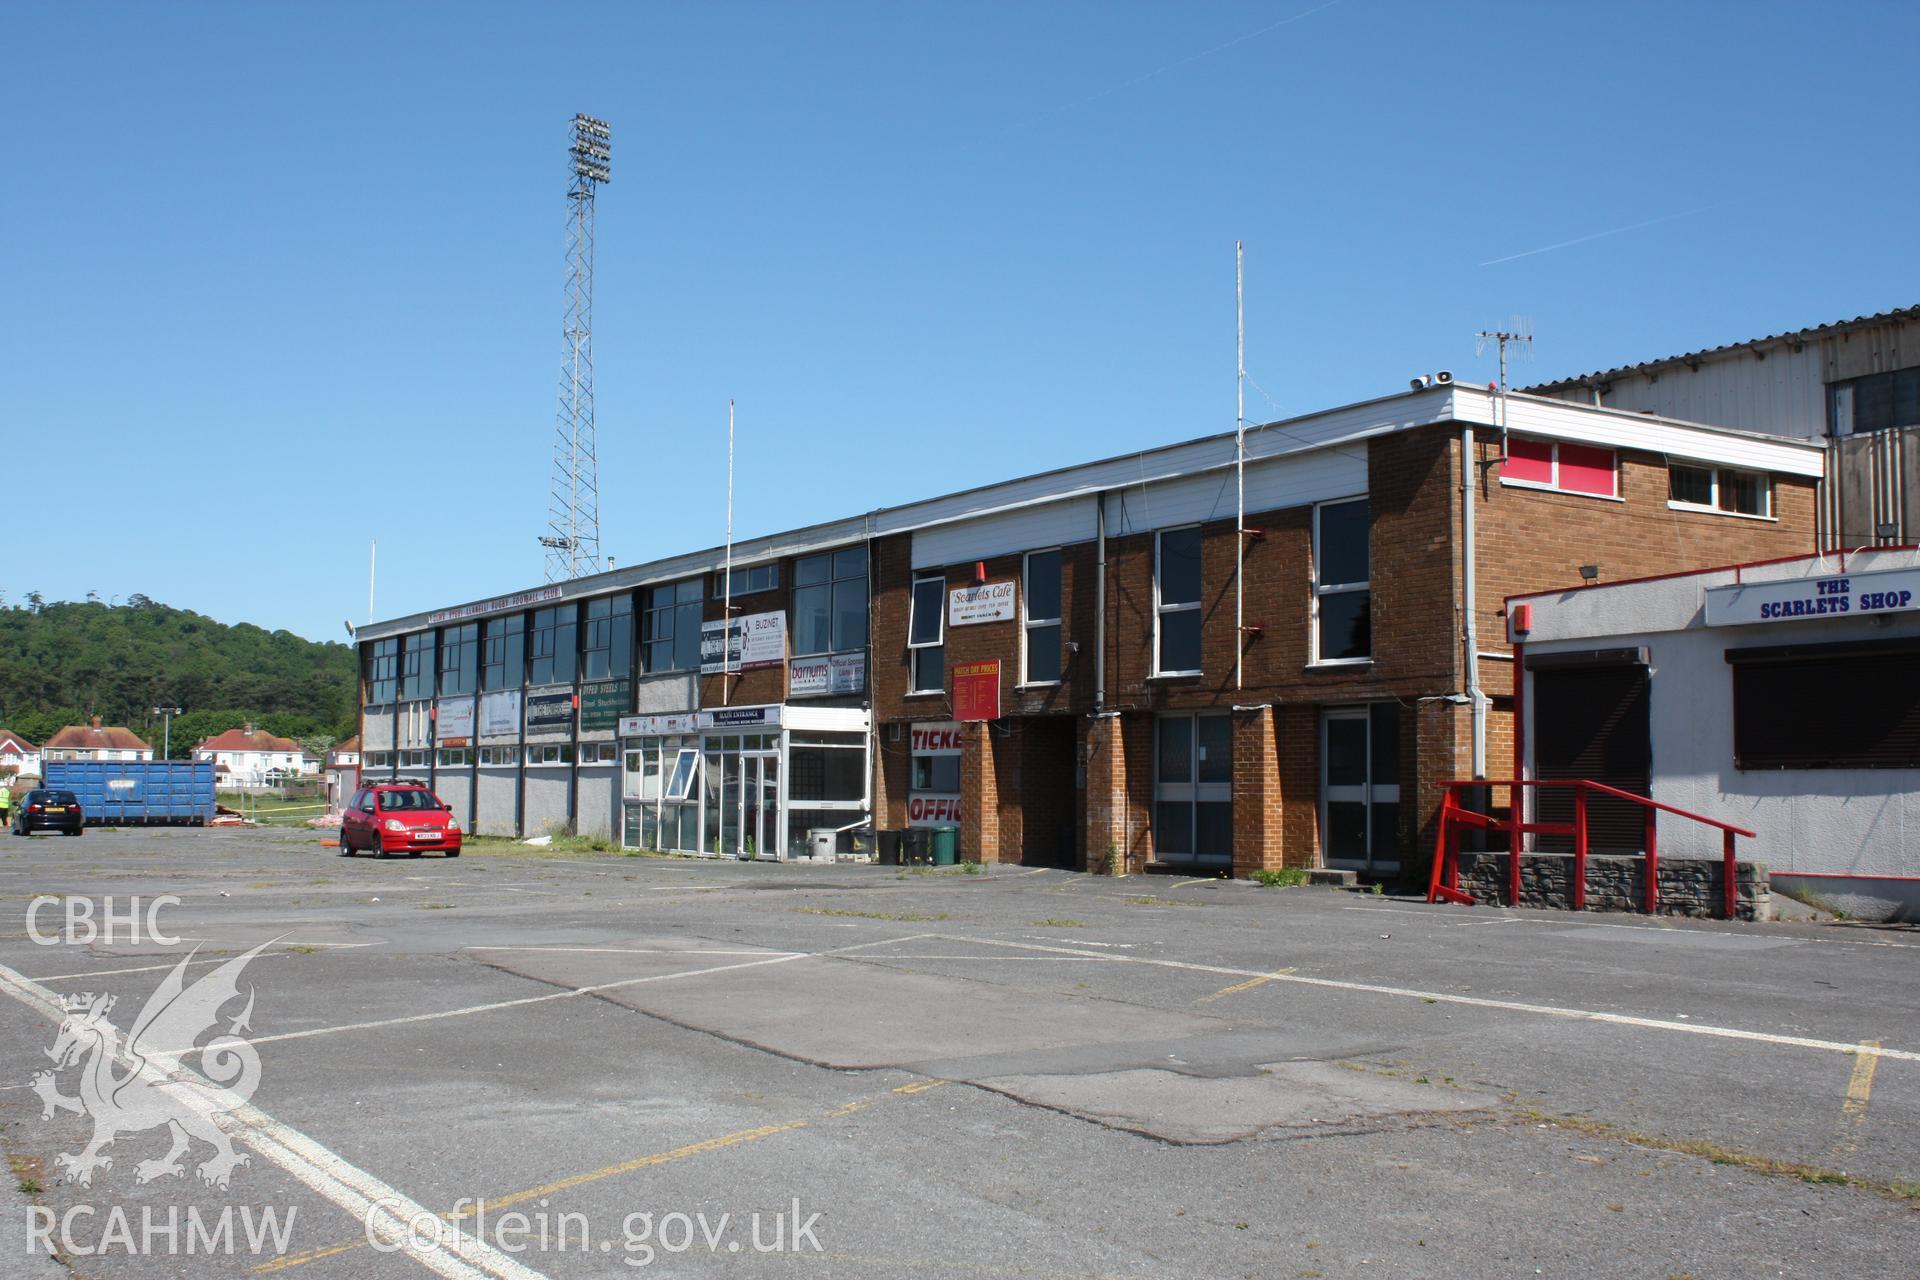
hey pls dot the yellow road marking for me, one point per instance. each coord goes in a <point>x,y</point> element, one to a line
<point>613,1170</point>
<point>1860,1085</point>
<point>1248,985</point>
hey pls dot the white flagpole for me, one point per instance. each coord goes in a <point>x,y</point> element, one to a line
<point>726,606</point>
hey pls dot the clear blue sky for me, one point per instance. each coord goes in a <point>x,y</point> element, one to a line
<point>280,278</point>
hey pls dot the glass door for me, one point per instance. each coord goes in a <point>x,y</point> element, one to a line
<point>760,805</point>
<point>1193,791</point>
<point>1360,787</point>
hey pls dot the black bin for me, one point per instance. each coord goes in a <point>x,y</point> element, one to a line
<point>890,848</point>
<point>919,846</point>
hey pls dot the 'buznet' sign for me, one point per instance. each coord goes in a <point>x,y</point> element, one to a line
<point>1842,596</point>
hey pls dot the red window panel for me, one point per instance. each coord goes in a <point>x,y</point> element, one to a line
<point>1529,461</point>
<point>1587,470</point>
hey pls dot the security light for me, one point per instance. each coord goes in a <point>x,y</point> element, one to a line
<point>1589,571</point>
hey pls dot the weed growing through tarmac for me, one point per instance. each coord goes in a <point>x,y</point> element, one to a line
<point>436,906</point>
<point>1706,1149</point>
<point>870,915</point>
<point>1145,900</point>
<point>1056,924</point>
<point>1283,878</point>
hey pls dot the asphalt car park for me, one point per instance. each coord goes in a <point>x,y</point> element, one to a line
<point>521,1065</point>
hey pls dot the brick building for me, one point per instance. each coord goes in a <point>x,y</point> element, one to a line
<point>1172,692</point>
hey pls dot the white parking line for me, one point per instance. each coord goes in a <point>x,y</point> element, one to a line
<point>450,1252</point>
<point>1637,928</point>
<point>1478,1002</point>
<point>570,993</point>
<point>641,951</point>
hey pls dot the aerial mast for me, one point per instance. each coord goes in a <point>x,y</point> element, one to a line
<point>573,510</point>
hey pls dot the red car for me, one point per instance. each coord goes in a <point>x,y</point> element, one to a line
<point>398,817</point>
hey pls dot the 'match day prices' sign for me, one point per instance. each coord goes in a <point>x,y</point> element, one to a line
<point>1803,599</point>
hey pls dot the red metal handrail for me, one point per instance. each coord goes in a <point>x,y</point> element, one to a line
<point>1454,817</point>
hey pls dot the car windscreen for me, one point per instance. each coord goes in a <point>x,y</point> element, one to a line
<point>391,801</point>
<point>57,797</point>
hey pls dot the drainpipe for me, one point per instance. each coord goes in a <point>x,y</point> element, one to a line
<point>1470,627</point>
<point>1100,603</point>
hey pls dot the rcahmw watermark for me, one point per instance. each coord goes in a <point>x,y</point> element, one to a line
<point>82,1231</point>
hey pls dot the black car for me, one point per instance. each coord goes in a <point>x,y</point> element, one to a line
<point>44,810</point>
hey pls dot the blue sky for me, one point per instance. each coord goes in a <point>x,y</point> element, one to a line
<point>280,278</point>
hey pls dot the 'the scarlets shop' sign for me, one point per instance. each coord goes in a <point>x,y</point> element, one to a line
<point>1814,599</point>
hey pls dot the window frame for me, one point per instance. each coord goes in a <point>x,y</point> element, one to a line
<point>678,602</point>
<point>1029,624</point>
<point>460,654</point>
<point>500,757</point>
<point>1319,590</point>
<point>938,643</point>
<point>383,672</point>
<point>453,758</point>
<point>744,580</point>
<point>503,648</point>
<point>549,755</point>
<point>563,662</point>
<point>606,627</point>
<point>1713,506</point>
<point>1553,485</point>
<point>1161,608</point>
<point>418,652</point>
<point>832,585</point>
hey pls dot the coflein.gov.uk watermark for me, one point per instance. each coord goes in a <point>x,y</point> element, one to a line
<point>641,1239</point>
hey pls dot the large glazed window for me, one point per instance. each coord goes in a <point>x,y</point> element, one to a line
<point>503,652</point>
<point>416,670</point>
<point>383,670</point>
<point>607,647</point>
<point>460,658</point>
<point>553,656</point>
<point>1176,598</point>
<point>671,627</point>
<point>830,602</point>
<point>1342,595</point>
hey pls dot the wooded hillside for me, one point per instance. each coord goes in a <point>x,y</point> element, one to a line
<point>63,661</point>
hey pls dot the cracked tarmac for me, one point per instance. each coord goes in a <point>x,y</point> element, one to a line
<point>1012,1074</point>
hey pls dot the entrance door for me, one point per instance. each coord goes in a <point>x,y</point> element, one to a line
<point>1591,722</point>
<point>1360,787</point>
<point>1193,791</point>
<point>760,806</point>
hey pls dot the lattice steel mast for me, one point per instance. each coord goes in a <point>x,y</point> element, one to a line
<point>573,520</point>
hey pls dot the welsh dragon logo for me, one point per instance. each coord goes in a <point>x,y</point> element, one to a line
<point>153,1090</point>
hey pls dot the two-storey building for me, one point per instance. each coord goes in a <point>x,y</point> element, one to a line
<point>1194,657</point>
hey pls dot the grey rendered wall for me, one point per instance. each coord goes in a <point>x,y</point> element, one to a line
<point>546,799</point>
<point>454,786</point>
<point>598,786</point>
<point>496,802</point>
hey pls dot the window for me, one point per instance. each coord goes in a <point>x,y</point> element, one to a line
<point>1342,566</point>
<point>553,656</point>
<point>607,650</point>
<point>671,626</point>
<point>503,655</point>
<point>1876,402</point>
<point>550,753</point>
<point>599,753</point>
<point>686,765</point>
<point>937,773</point>
<point>383,670</point>
<point>747,580</point>
<point>1696,487</point>
<point>460,658</point>
<point>1193,790</point>
<point>455,757</point>
<point>827,770</point>
<point>1176,598</point>
<point>499,755</point>
<point>1041,627</point>
<point>416,670</point>
<point>830,602</point>
<point>379,759</point>
<point>413,759</point>
<point>926,642</point>
<point>1554,464</point>
<point>1802,707</point>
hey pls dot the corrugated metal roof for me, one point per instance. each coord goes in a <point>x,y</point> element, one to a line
<point>1902,315</point>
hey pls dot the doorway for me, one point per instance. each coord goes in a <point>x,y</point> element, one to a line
<point>1591,721</point>
<point>1360,787</point>
<point>1050,784</point>
<point>1193,792</point>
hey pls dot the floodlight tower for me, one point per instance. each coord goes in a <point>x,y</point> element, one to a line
<point>573,519</point>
